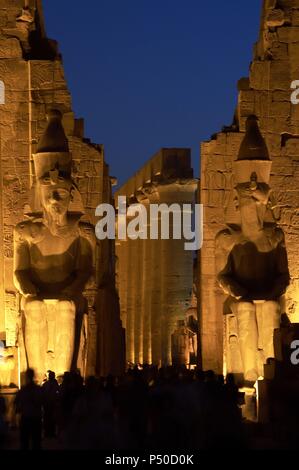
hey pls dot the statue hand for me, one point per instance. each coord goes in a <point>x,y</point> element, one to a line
<point>29,290</point>
<point>30,296</point>
<point>236,291</point>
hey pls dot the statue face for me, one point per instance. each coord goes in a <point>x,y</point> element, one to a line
<point>252,200</point>
<point>55,194</point>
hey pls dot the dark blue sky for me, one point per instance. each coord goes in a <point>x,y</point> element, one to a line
<point>147,74</point>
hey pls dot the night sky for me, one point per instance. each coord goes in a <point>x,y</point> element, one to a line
<point>147,74</point>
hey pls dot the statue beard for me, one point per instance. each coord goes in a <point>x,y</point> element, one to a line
<point>252,217</point>
<point>55,217</point>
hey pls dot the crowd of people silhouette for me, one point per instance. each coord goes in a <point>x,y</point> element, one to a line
<point>147,408</point>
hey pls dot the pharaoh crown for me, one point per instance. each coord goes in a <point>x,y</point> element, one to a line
<point>253,155</point>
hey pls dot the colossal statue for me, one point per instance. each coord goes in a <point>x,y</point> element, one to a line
<point>53,257</point>
<point>251,258</point>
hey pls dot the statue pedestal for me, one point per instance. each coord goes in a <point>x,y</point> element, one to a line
<point>249,408</point>
<point>278,393</point>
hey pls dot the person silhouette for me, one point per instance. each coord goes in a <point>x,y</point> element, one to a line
<point>28,404</point>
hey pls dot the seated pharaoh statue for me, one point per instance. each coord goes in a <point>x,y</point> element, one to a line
<point>53,257</point>
<point>251,258</point>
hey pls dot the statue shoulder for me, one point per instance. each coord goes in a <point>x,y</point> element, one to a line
<point>227,238</point>
<point>276,234</point>
<point>31,230</point>
<point>279,236</point>
<point>87,231</point>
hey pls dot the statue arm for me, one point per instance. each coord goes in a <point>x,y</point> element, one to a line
<point>282,279</point>
<point>228,283</point>
<point>225,266</point>
<point>84,269</point>
<point>22,266</point>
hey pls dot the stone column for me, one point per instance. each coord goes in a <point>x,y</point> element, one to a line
<point>137,268</point>
<point>132,280</point>
<point>176,268</point>
<point>2,316</point>
<point>121,248</point>
<point>147,295</point>
<point>156,292</point>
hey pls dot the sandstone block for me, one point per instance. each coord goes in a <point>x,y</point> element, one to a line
<point>281,96</point>
<point>214,215</point>
<point>246,96</point>
<point>295,114</point>
<point>233,143</point>
<point>42,75</point>
<point>280,78</point>
<point>274,143</point>
<point>3,19</point>
<point>280,109</point>
<point>290,3</point>
<point>262,101</point>
<point>279,50</point>
<point>295,18</point>
<point>282,166</point>
<point>243,84</point>
<point>11,4</point>
<point>63,97</point>
<point>14,74</point>
<point>11,32</point>
<point>294,60</point>
<point>266,123</point>
<point>259,75</point>
<point>281,124</point>
<point>288,198</point>
<point>288,34</point>
<point>246,108</point>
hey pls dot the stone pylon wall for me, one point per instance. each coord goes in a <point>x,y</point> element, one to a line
<point>32,72</point>
<point>266,93</point>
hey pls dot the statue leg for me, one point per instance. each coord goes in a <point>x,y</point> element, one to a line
<point>65,333</point>
<point>270,320</point>
<point>36,336</point>
<point>248,339</point>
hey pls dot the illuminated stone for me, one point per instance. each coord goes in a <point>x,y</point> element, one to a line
<point>155,276</point>
<point>251,259</point>
<point>268,96</point>
<point>53,260</point>
<point>34,81</point>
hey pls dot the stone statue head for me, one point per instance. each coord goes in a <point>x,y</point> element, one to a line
<point>54,192</point>
<point>55,198</point>
<point>252,199</point>
<point>252,175</point>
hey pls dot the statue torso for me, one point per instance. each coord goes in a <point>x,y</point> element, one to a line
<point>252,262</point>
<point>53,256</point>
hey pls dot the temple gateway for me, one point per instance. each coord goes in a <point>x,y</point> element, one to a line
<point>69,301</point>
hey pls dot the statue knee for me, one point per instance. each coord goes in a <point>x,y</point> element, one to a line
<point>246,320</point>
<point>34,312</point>
<point>245,307</point>
<point>67,310</point>
<point>271,306</point>
<point>271,313</point>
